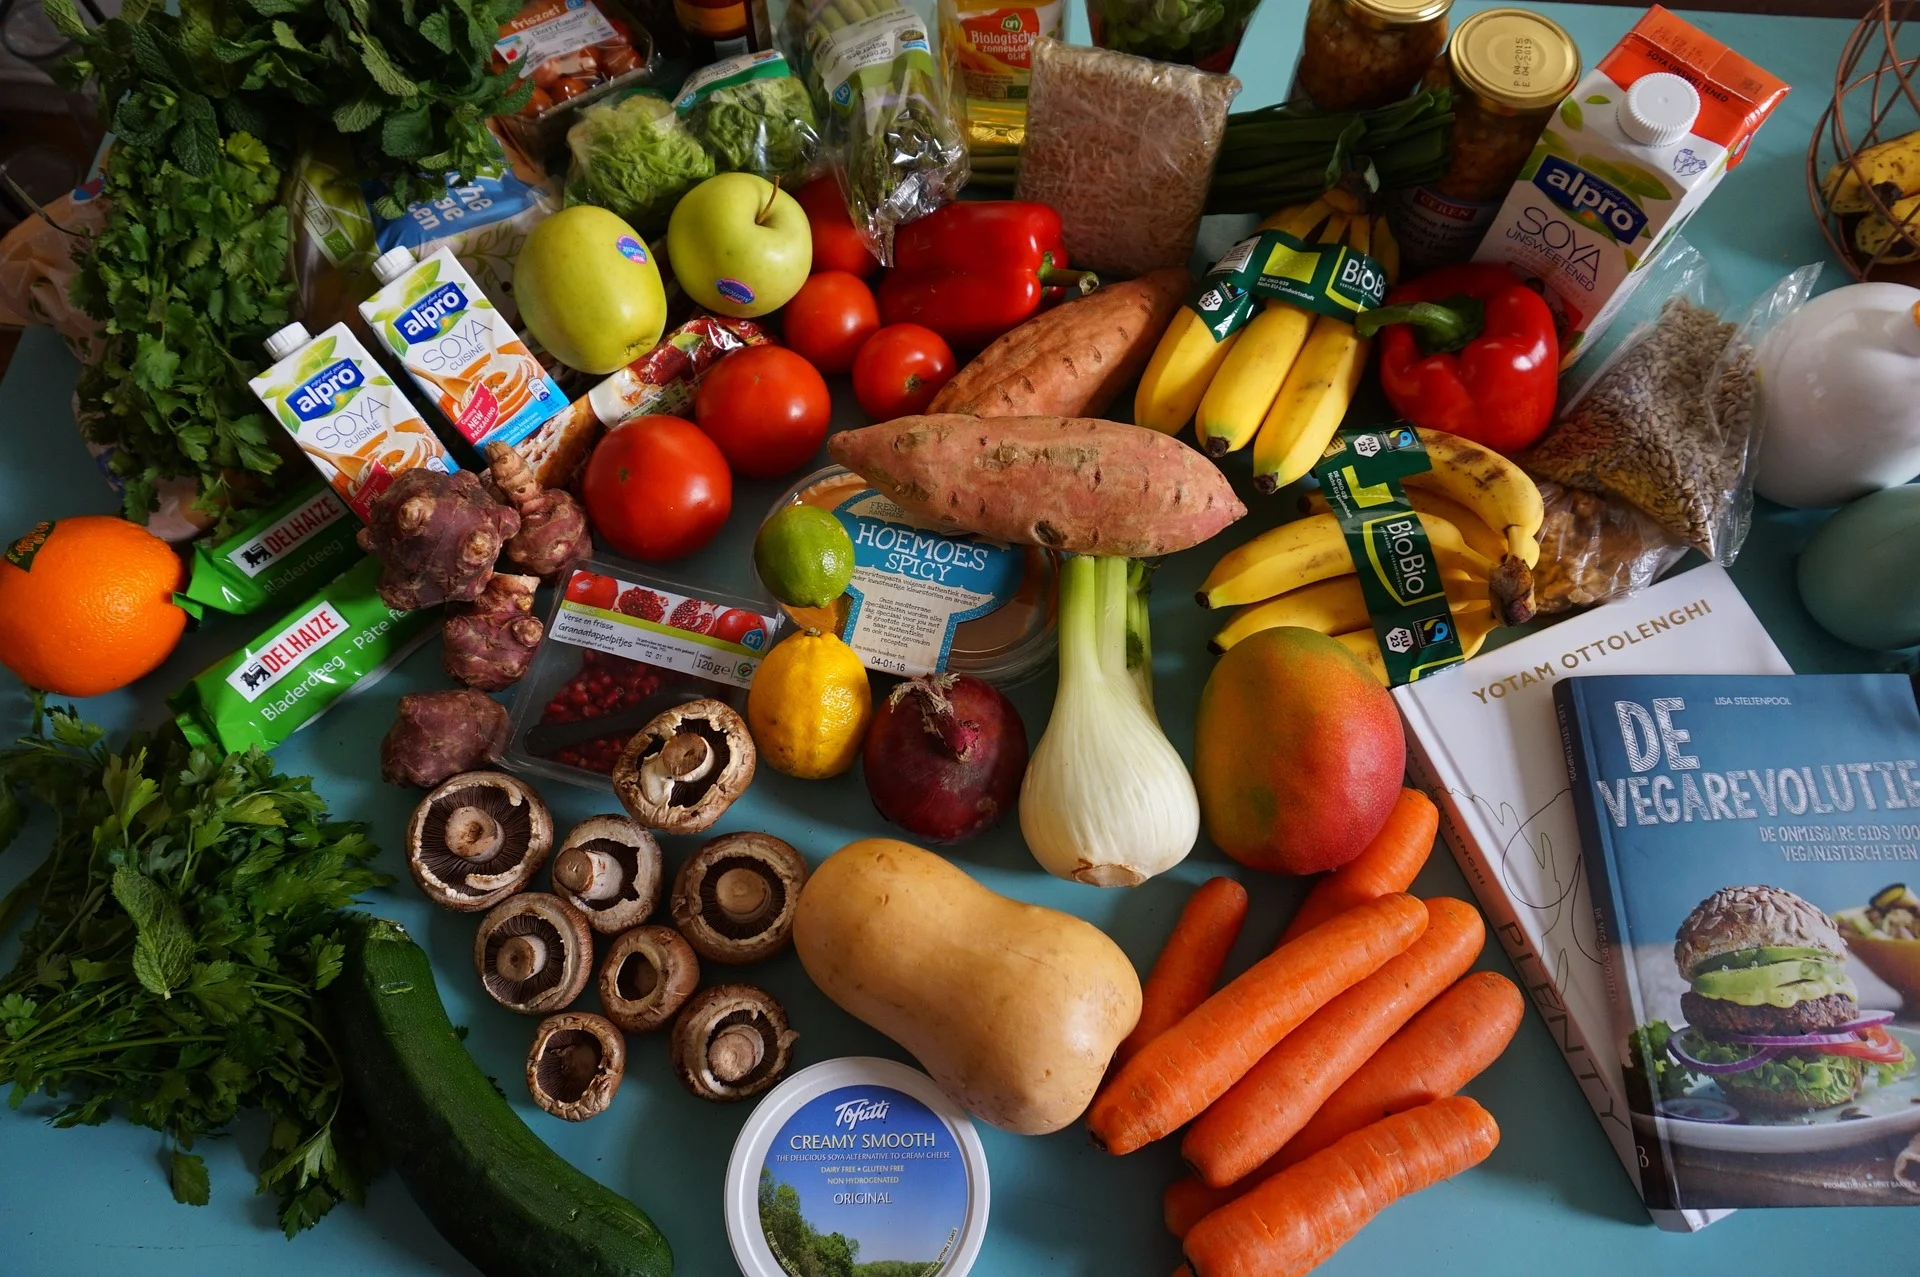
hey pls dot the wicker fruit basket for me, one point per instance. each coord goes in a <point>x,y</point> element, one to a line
<point>1876,101</point>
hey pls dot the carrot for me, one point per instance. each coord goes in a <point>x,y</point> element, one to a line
<point>1189,963</point>
<point>1442,1049</point>
<point>1389,863</point>
<point>1072,360</point>
<point>1296,1219</point>
<point>1191,1065</point>
<point>1268,1106</point>
<point>1061,483</point>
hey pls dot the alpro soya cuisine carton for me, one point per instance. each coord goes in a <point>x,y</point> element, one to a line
<point>1632,152</point>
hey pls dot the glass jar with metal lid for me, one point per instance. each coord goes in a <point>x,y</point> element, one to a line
<point>1359,54</point>
<point>1509,70</point>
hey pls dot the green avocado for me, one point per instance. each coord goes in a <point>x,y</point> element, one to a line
<point>1764,956</point>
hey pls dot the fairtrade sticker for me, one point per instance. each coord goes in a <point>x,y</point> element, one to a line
<point>631,249</point>
<point>21,552</point>
<point>733,290</point>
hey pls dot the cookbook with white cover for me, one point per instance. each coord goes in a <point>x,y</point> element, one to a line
<point>1483,739</point>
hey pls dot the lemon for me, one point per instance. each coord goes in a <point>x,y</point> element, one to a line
<point>804,556</point>
<point>808,706</point>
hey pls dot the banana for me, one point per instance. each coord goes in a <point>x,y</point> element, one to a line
<point>1892,168</point>
<point>1186,360</point>
<point>1474,629</point>
<point>1315,396</point>
<point>1500,492</point>
<point>1313,549</point>
<point>1891,240</point>
<point>1482,538</point>
<point>1336,605</point>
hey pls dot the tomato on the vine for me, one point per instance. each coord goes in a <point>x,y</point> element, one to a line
<point>593,590</point>
<point>767,408</point>
<point>836,244</point>
<point>657,488</point>
<point>829,319</point>
<point>899,371</point>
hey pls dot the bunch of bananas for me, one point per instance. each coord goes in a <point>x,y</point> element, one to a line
<point>1283,382</point>
<point>1892,170</point>
<point>1481,513</point>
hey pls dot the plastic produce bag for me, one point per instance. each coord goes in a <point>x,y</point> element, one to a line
<point>1125,149</point>
<point>1594,548</point>
<point>1201,33</point>
<point>753,116</point>
<point>1664,420</point>
<point>899,149</point>
<point>576,52</point>
<point>636,158</point>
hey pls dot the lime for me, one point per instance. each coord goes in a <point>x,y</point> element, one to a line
<point>804,556</point>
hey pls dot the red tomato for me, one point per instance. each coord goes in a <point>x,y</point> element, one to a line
<point>657,488</point>
<point>592,590</point>
<point>836,244</point>
<point>829,319</point>
<point>899,371</point>
<point>767,408</point>
<point>738,626</point>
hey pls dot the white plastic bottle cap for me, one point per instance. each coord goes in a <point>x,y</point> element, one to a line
<point>1659,109</point>
<point>287,340</point>
<point>393,263</point>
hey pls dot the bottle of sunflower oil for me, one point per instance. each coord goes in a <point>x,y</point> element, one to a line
<point>989,49</point>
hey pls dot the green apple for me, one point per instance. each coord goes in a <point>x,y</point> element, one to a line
<point>739,245</point>
<point>589,290</point>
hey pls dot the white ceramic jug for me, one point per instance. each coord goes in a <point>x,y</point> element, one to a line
<point>1840,397</point>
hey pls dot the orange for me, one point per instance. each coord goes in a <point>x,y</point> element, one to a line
<point>86,605</point>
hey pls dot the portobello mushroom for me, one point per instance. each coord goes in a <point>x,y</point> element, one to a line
<point>680,771</point>
<point>533,953</point>
<point>731,1041</point>
<point>734,899</point>
<point>575,1064</point>
<point>476,839</point>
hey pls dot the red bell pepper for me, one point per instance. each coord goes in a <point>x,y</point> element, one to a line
<point>1469,350</point>
<point>974,269</point>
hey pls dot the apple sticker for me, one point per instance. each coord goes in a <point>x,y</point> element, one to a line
<point>631,249</point>
<point>734,291</point>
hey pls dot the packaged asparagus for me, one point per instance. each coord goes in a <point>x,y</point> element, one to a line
<point>883,100</point>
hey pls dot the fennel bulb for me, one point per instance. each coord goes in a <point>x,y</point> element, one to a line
<point>1106,800</point>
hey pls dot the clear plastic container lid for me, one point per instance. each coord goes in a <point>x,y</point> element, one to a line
<point>867,1148</point>
<point>622,646</point>
<point>927,600</point>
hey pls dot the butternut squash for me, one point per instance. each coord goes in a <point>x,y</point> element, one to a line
<point>1014,1009</point>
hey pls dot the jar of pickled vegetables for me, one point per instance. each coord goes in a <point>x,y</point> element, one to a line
<point>1359,54</point>
<point>1509,70</point>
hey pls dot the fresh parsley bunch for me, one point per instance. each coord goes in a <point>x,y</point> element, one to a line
<point>184,921</point>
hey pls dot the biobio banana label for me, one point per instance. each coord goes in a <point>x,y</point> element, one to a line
<point>460,350</point>
<point>1398,568</point>
<point>1327,279</point>
<point>1593,206</point>
<point>346,414</point>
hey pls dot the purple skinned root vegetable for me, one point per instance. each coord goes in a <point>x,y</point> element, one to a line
<point>944,757</point>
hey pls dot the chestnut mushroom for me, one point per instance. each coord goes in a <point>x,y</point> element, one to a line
<point>647,975</point>
<point>731,1041</point>
<point>575,1064</point>
<point>477,838</point>
<point>534,953</point>
<point>735,898</point>
<point>680,771</point>
<point>609,869</point>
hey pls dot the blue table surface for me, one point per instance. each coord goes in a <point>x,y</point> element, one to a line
<point>1552,1197</point>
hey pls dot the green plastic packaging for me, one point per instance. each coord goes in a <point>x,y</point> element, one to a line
<point>306,539</point>
<point>341,640</point>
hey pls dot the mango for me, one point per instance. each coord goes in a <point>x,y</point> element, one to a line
<point>1297,753</point>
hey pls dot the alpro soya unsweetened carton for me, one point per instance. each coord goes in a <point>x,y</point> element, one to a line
<point>355,425</point>
<point>459,348</point>
<point>1632,152</point>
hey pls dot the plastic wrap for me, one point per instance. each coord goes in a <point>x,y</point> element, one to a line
<point>1594,548</point>
<point>1201,33</point>
<point>1664,420</point>
<point>637,154</point>
<point>577,52</point>
<point>884,103</point>
<point>1125,149</point>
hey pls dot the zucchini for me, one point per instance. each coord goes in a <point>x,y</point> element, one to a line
<point>491,1186</point>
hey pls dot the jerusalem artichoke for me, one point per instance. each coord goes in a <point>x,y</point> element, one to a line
<point>441,734</point>
<point>437,536</point>
<point>553,528</point>
<point>489,642</point>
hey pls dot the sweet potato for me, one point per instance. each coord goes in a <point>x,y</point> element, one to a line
<point>1072,360</point>
<point>1066,483</point>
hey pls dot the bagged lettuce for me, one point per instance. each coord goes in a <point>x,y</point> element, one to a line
<point>752,115</point>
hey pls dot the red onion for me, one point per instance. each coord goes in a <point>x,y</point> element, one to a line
<point>944,756</point>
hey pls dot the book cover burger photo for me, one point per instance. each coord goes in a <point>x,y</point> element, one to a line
<point>1750,841</point>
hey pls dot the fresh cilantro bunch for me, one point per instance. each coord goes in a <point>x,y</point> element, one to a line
<point>184,920</point>
<point>187,276</point>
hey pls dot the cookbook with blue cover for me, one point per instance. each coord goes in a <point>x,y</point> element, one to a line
<point>1753,844</point>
